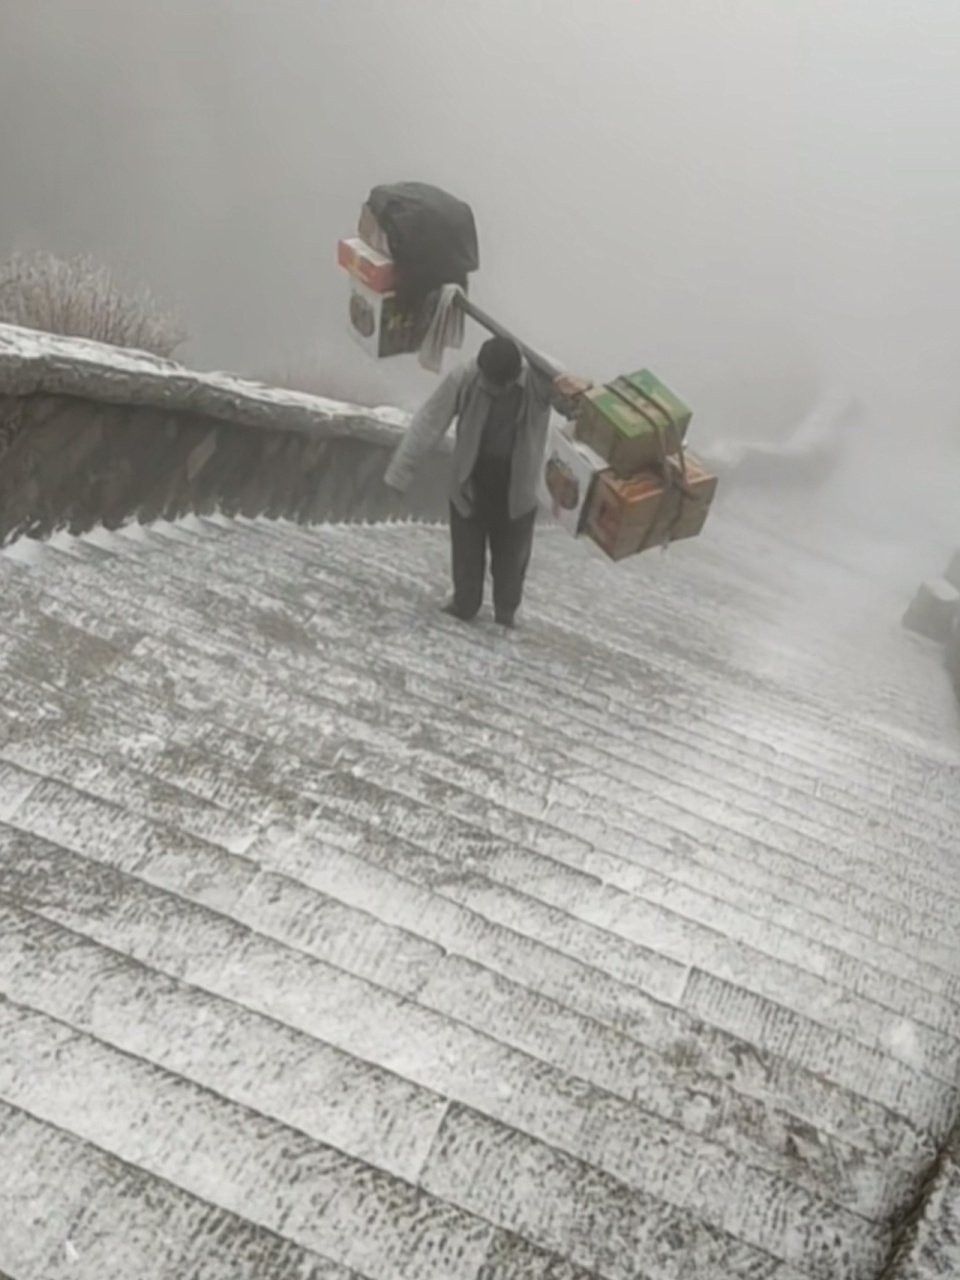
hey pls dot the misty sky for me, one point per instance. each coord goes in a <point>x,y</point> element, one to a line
<point>736,193</point>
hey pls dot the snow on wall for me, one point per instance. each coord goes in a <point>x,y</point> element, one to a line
<point>32,362</point>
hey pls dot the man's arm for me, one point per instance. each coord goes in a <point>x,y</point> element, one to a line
<point>429,425</point>
<point>560,391</point>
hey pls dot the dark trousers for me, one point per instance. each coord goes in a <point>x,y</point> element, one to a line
<point>510,543</point>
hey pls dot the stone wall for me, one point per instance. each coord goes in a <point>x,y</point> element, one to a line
<point>92,434</point>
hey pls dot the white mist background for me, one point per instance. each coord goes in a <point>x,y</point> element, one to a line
<point>759,198</point>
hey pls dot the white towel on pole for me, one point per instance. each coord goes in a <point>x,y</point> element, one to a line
<point>446,329</point>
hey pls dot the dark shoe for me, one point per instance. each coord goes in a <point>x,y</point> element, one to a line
<point>507,620</point>
<point>451,610</point>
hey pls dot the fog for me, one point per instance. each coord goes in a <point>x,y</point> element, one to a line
<point>758,198</point>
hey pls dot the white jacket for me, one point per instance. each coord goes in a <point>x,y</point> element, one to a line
<point>465,395</point>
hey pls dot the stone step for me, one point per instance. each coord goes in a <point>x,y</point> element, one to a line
<point>390,821</point>
<point>572,1193</point>
<point>71,1210</point>
<point>258,1061</point>
<point>614,828</point>
<point>140,792</point>
<point>611,759</point>
<point>672,601</point>
<point>373,1116</point>
<point>529,991</point>
<point>928,994</point>
<point>926,885</point>
<point>236,1159</point>
<point>876,635</point>
<point>908,1045</point>
<point>611,762</point>
<point>785,654</point>
<point>127,1106</point>
<point>820,961</point>
<point>544,1018</point>
<point>554,883</point>
<point>787,744</point>
<point>603,720</point>
<point>327,533</point>
<point>692,1050</point>
<point>618,862</point>
<point>827,835</point>
<point>645,624</point>
<point>823,891</point>
<point>583,900</point>
<point>553,823</point>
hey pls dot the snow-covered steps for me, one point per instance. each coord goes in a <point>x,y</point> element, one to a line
<point>622,946</point>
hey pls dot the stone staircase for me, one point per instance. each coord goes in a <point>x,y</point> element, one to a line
<point>338,940</point>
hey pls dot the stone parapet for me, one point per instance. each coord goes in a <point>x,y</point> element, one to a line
<point>92,434</point>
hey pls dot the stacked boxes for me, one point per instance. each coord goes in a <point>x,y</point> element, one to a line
<point>377,323</point>
<point>637,487</point>
<point>634,422</point>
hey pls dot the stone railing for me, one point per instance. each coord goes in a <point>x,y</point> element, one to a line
<point>93,434</point>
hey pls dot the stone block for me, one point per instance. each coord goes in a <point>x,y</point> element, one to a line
<point>952,654</point>
<point>952,574</point>
<point>933,610</point>
<point>201,455</point>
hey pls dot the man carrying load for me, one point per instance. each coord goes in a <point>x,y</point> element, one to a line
<point>501,404</point>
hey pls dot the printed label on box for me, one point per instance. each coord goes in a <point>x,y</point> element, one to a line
<point>378,324</point>
<point>569,471</point>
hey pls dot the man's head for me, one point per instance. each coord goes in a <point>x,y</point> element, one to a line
<point>499,360</point>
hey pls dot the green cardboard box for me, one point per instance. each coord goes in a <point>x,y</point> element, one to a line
<point>633,422</point>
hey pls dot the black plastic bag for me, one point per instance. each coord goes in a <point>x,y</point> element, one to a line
<point>432,237</point>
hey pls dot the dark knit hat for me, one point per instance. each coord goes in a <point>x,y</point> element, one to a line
<point>500,360</point>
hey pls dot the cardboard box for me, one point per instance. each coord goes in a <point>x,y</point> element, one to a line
<point>378,324</point>
<point>626,517</point>
<point>633,422</point>
<point>375,269</point>
<point>371,233</point>
<point>569,471</point>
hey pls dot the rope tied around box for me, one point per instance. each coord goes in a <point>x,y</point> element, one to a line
<point>674,477</point>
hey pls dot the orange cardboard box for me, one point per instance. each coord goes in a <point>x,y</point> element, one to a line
<point>375,269</point>
<point>626,517</point>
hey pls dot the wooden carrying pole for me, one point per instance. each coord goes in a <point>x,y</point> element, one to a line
<point>538,361</point>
